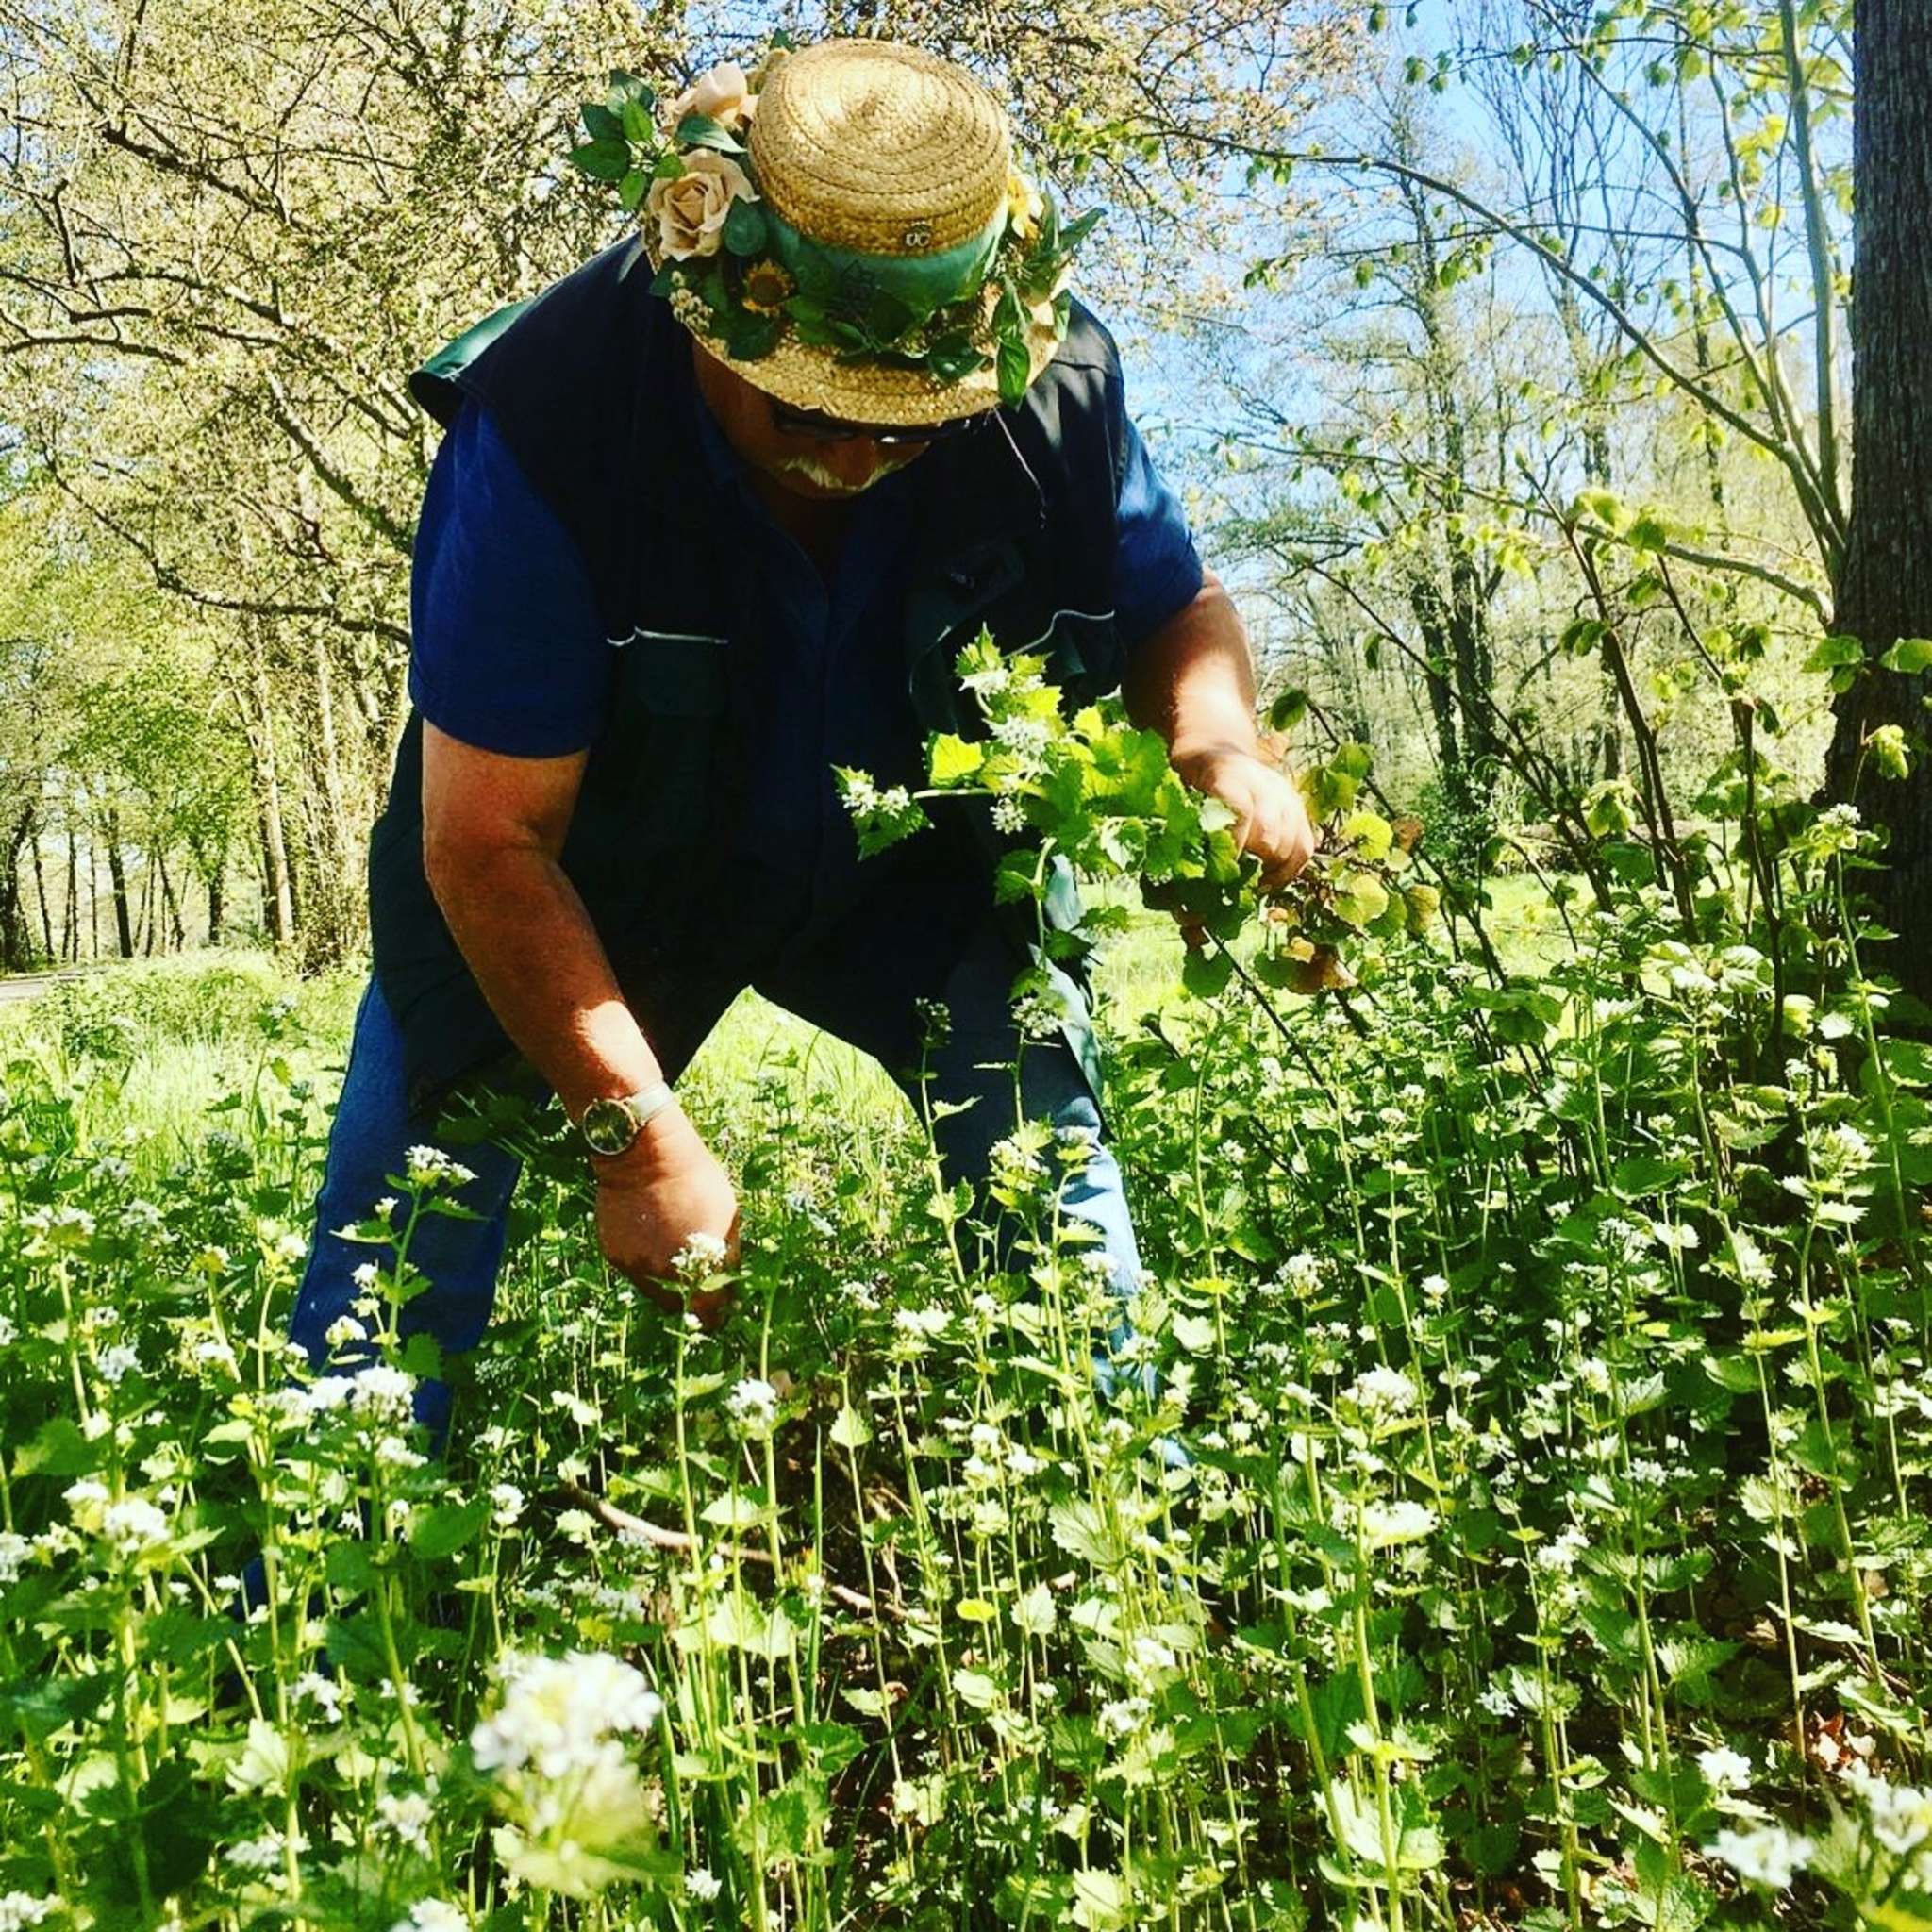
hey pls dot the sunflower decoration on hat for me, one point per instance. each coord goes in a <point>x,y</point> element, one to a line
<point>847,220</point>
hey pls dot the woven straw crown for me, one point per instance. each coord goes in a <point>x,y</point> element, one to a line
<point>887,151</point>
<point>862,144</point>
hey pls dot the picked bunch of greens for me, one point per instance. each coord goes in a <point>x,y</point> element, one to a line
<point>688,171</point>
<point>1101,793</point>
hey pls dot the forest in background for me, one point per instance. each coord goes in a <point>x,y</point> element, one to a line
<point>1521,328</point>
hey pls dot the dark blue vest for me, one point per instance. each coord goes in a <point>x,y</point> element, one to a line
<point>1015,530</point>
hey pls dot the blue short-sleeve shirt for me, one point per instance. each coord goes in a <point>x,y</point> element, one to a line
<point>508,653</point>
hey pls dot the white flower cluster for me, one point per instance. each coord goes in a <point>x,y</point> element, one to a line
<point>433,1915</point>
<point>1900,1816</point>
<point>19,1909</point>
<point>1382,1391</point>
<point>1027,737</point>
<point>916,1329</point>
<point>405,1818</point>
<point>752,1406</point>
<point>1768,1855</point>
<point>130,1525</point>
<point>379,1397</point>
<point>558,1713</point>
<point>134,1524</point>
<point>263,1854</point>
<point>113,1362</point>
<point>429,1168</point>
<point>1725,1769</point>
<point>326,1693</point>
<point>1384,1524</point>
<point>1558,1556</point>
<point>701,1255</point>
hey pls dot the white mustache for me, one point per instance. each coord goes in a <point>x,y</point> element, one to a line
<point>815,472</point>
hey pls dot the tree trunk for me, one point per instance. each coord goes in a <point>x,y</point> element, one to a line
<point>278,889</point>
<point>1884,589</point>
<point>41,893</point>
<point>1438,649</point>
<point>70,924</point>
<point>175,924</point>
<point>144,921</point>
<point>214,908</point>
<point>16,944</point>
<point>117,873</point>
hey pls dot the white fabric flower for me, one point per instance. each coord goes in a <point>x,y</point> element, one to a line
<point>722,93</point>
<point>690,209</point>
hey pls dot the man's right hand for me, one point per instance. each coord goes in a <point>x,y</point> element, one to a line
<point>664,1188</point>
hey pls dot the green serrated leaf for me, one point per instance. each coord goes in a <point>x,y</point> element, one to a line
<point>746,230</point>
<point>603,160</point>
<point>1909,654</point>
<point>955,758</point>
<point>600,125</point>
<point>700,130</point>
<point>1831,653</point>
<point>1015,370</point>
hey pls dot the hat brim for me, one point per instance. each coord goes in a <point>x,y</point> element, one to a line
<point>807,377</point>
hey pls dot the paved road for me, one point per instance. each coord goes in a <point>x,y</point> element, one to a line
<point>25,986</point>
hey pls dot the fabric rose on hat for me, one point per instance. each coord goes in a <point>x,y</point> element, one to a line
<point>722,92</point>
<point>690,211</point>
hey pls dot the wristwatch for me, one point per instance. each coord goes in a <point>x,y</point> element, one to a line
<point>609,1126</point>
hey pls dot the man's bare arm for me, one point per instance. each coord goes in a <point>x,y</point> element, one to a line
<point>1193,682</point>
<point>1193,679</point>
<point>492,832</point>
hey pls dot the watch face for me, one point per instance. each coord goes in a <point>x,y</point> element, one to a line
<point>607,1127</point>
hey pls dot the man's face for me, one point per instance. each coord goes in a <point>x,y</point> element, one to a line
<point>821,467</point>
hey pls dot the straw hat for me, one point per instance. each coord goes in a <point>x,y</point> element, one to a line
<point>846,226</point>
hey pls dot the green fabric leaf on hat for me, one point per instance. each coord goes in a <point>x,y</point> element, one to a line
<point>750,335</point>
<point>745,228</point>
<point>637,124</point>
<point>955,357</point>
<point>887,317</point>
<point>1077,231</point>
<point>700,130</point>
<point>603,160</point>
<point>628,87</point>
<point>809,323</point>
<point>600,124</point>
<point>668,166</point>
<point>630,191</point>
<point>711,286</point>
<point>1016,369</point>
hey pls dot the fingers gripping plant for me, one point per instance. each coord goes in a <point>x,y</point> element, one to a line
<point>1100,794</point>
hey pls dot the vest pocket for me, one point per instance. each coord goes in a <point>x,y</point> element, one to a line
<point>672,691</point>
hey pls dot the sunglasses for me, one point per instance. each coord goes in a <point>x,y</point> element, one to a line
<point>887,435</point>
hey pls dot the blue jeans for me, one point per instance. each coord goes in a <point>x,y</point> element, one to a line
<point>857,984</point>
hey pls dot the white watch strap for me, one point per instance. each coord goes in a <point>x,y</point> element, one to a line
<point>648,1102</point>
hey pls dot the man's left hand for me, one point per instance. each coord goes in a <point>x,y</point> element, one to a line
<point>1271,820</point>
